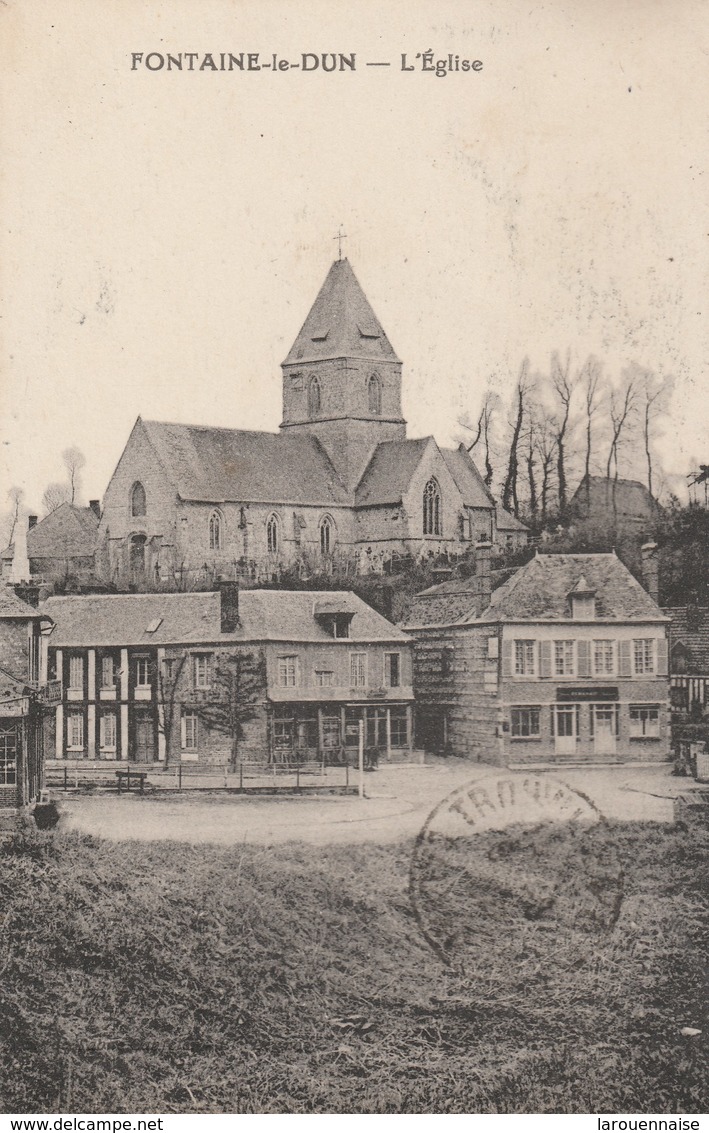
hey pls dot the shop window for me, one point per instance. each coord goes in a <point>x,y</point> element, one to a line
<point>525,723</point>
<point>644,721</point>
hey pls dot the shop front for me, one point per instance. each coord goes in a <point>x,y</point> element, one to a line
<point>330,732</point>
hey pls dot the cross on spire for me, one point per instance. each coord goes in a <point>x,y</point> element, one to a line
<point>340,237</point>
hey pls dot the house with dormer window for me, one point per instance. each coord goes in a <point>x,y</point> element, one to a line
<point>567,661</point>
<point>151,680</point>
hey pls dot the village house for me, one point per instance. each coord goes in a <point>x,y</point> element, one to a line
<point>23,693</point>
<point>565,662</point>
<point>689,659</point>
<point>340,487</point>
<point>58,549</point>
<point>216,677</point>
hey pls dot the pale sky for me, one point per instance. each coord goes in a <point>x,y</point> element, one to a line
<point>164,234</point>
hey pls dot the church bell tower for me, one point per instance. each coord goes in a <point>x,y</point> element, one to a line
<point>342,379</point>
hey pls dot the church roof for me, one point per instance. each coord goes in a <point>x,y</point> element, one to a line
<point>506,521</point>
<point>470,483</point>
<point>388,474</point>
<point>215,465</point>
<point>341,323</point>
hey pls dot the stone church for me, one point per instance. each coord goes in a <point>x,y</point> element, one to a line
<point>339,488</point>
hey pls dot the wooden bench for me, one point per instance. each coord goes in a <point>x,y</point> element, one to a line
<point>124,778</point>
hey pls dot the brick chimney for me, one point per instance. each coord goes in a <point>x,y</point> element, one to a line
<point>651,570</point>
<point>32,521</point>
<point>483,557</point>
<point>229,606</point>
<point>95,506</point>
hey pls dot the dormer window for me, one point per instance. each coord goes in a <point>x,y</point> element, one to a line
<point>333,615</point>
<point>583,602</point>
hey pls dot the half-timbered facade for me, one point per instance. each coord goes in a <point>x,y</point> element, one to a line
<point>213,677</point>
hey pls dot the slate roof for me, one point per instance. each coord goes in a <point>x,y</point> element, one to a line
<point>540,590</point>
<point>341,323</point>
<point>448,602</point>
<point>192,619</point>
<point>505,521</point>
<point>215,465</point>
<point>13,607</point>
<point>470,483</point>
<point>628,500</point>
<point>68,532</point>
<point>388,474</point>
<point>689,627</point>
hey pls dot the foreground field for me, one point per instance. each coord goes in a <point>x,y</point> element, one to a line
<point>165,977</point>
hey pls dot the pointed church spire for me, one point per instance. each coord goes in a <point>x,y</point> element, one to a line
<point>341,323</point>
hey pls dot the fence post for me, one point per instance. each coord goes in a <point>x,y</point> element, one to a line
<point>66,777</point>
<point>297,776</point>
<point>241,777</point>
<point>347,774</point>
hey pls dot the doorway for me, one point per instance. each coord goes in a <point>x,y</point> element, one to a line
<point>144,748</point>
<point>604,729</point>
<point>566,729</point>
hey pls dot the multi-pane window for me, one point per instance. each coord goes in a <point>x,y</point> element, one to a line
<point>215,531</point>
<point>8,756</point>
<point>399,728</point>
<point>75,731</point>
<point>524,722</point>
<point>76,672</point>
<point>524,658</point>
<point>272,534</point>
<point>603,658</point>
<point>189,731</point>
<point>142,672</point>
<point>644,655</point>
<point>358,670</point>
<point>432,509</point>
<point>392,669</point>
<point>324,677</point>
<point>327,538</point>
<point>201,670</point>
<point>563,658</point>
<point>107,731</point>
<point>108,672</point>
<point>644,721</point>
<point>288,671</point>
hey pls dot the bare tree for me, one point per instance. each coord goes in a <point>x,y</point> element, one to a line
<point>74,462</point>
<point>55,495</point>
<point>239,689</point>
<point>591,382</point>
<point>509,490</point>
<point>530,461</point>
<point>655,395</point>
<point>563,385</point>
<point>545,444</point>
<point>16,496</point>
<point>169,674</point>
<point>622,408</point>
<point>483,430</point>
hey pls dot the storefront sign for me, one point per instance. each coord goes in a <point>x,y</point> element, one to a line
<point>593,694</point>
<point>17,707</point>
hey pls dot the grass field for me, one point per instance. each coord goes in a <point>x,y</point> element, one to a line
<point>164,977</point>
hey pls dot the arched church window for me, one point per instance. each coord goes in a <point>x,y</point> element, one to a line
<point>374,394</point>
<point>137,557</point>
<point>432,524</point>
<point>272,534</point>
<point>138,503</point>
<point>216,531</point>
<point>327,535</point>
<point>314,400</point>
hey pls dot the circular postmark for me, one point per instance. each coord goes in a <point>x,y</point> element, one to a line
<point>514,853</point>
